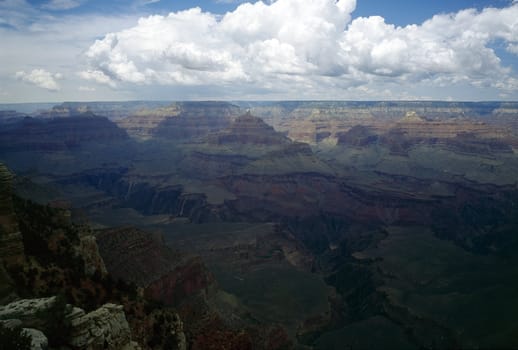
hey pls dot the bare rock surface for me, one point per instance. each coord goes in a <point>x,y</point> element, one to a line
<point>103,328</point>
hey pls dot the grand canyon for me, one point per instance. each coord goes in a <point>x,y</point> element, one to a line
<point>261,225</point>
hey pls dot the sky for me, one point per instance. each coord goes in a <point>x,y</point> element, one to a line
<point>96,50</point>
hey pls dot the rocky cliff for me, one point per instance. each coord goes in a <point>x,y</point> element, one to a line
<point>460,136</point>
<point>317,121</point>
<point>247,129</point>
<point>112,110</point>
<point>142,258</point>
<point>103,328</point>
<point>142,124</point>
<point>196,119</point>
<point>210,319</point>
<point>11,242</point>
<point>58,134</point>
<point>62,258</point>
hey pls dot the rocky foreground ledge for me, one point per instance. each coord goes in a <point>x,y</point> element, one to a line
<point>104,328</point>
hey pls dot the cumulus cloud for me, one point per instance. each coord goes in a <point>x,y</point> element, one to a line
<point>195,47</point>
<point>40,78</point>
<point>60,5</point>
<point>97,76</point>
<point>447,47</point>
<point>305,44</point>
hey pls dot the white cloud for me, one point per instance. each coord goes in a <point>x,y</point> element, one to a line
<point>55,43</point>
<point>283,49</point>
<point>312,44</point>
<point>86,89</point>
<point>513,48</point>
<point>59,5</point>
<point>40,78</point>
<point>15,13</point>
<point>446,48</point>
<point>256,40</point>
<point>97,76</point>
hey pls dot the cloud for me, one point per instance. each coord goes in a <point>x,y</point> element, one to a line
<point>33,38</point>
<point>16,13</point>
<point>97,76</point>
<point>281,49</point>
<point>446,48</point>
<point>40,78</point>
<point>60,5</point>
<point>86,89</point>
<point>312,44</point>
<point>256,40</point>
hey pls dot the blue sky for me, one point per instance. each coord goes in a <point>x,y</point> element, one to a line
<point>57,50</point>
<point>399,12</point>
<point>403,12</point>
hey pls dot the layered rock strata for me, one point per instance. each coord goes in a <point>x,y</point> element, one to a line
<point>138,257</point>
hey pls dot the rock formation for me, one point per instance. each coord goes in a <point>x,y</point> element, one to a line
<point>142,124</point>
<point>38,339</point>
<point>62,257</point>
<point>11,243</point>
<point>248,129</point>
<point>196,119</point>
<point>317,121</point>
<point>138,257</point>
<point>357,136</point>
<point>59,134</point>
<point>437,169</point>
<point>89,250</point>
<point>27,311</point>
<point>104,328</point>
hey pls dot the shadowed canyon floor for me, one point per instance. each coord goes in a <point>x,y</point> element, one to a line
<point>311,225</point>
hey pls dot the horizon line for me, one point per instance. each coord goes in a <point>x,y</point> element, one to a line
<point>257,100</point>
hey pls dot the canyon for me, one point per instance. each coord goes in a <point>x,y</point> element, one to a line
<point>269,225</point>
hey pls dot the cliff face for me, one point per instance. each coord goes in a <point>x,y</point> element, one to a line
<point>105,328</point>
<point>314,122</point>
<point>197,120</point>
<point>60,134</point>
<point>44,253</point>
<point>138,257</point>
<point>271,198</point>
<point>62,258</point>
<point>186,280</point>
<point>88,248</point>
<point>142,124</point>
<point>135,256</point>
<point>248,129</point>
<point>461,136</point>
<point>179,121</point>
<point>112,110</point>
<point>183,281</point>
<point>357,136</point>
<point>11,242</point>
<point>146,197</point>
